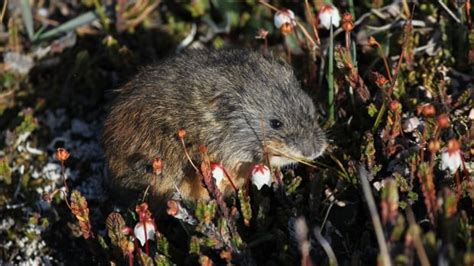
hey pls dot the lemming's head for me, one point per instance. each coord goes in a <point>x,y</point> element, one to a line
<point>266,106</point>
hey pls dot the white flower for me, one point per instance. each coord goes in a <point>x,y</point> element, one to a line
<point>217,173</point>
<point>43,12</point>
<point>284,16</point>
<point>451,157</point>
<point>139,231</point>
<point>411,124</point>
<point>378,185</point>
<point>451,161</point>
<point>329,14</point>
<point>261,176</point>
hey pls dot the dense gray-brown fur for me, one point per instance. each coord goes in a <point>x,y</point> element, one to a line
<point>225,100</point>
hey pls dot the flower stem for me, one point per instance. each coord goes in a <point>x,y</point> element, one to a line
<point>331,77</point>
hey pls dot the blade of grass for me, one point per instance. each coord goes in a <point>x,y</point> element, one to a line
<point>449,12</point>
<point>326,246</point>
<point>70,25</point>
<point>331,119</point>
<point>350,3</point>
<point>418,242</point>
<point>353,50</point>
<point>27,18</point>
<point>39,32</point>
<point>379,116</point>
<point>341,167</point>
<point>4,9</point>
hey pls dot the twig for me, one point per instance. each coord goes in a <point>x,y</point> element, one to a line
<point>305,32</point>
<point>313,22</point>
<point>188,156</point>
<point>133,23</point>
<point>420,250</point>
<point>326,246</point>
<point>409,27</point>
<point>63,175</point>
<point>373,41</point>
<point>327,215</point>
<point>450,13</point>
<point>363,175</point>
<point>4,9</point>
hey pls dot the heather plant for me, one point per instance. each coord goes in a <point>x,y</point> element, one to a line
<point>393,81</point>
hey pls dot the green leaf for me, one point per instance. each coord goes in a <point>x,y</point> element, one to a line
<point>27,18</point>
<point>372,110</point>
<point>70,25</point>
<point>294,184</point>
<point>162,245</point>
<point>194,246</point>
<point>144,259</point>
<point>245,207</point>
<point>161,260</point>
<point>28,124</point>
<point>5,171</point>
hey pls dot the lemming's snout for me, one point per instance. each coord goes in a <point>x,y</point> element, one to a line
<point>313,149</point>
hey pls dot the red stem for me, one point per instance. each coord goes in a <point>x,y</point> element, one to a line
<point>458,186</point>
<point>230,179</point>
<point>147,248</point>
<point>64,177</point>
<point>130,258</point>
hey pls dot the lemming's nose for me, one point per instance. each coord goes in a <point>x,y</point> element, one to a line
<point>308,151</point>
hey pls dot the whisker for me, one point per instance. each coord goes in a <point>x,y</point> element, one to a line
<point>300,160</point>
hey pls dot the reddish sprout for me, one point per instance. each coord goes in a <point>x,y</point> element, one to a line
<point>62,154</point>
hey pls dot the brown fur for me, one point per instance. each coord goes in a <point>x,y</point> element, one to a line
<point>225,100</point>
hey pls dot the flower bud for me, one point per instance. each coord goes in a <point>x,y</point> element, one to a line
<point>62,154</point>
<point>428,110</point>
<point>434,146</point>
<point>443,121</point>
<point>373,41</point>
<point>181,133</point>
<point>347,23</point>
<point>394,106</point>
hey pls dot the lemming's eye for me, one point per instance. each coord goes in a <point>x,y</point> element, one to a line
<point>276,124</point>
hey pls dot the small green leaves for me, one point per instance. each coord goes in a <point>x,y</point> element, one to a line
<point>5,171</point>
<point>245,207</point>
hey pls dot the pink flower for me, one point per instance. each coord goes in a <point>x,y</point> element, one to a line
<point>139,231</point>
<point>329,15</point>
<point>261,175</point>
